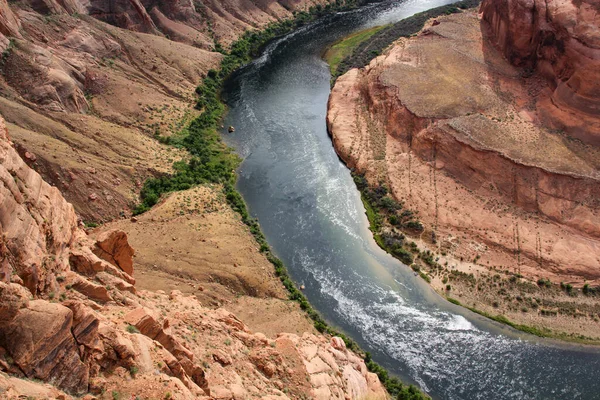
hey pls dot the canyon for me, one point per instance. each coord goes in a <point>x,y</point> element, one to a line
<point>85,88</point>
<point>486,125</point>
<point>73,316</point>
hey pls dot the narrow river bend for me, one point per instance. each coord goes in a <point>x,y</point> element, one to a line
<point>312,215</point>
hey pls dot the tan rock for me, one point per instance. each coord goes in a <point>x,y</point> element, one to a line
<point>90,289</point>
<point>37,223</point>
<point>221,357</point>
<point>16,389</point>
<point>9,23</point>
<point>13,297</point>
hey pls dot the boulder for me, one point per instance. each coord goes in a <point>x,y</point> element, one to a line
<point>40,342</point>
<point>90,289</point>
<point>113,247</point>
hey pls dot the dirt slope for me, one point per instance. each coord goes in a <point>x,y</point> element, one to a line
<point>84,85</point>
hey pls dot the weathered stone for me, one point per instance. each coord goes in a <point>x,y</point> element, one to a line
<point>113,247</point>
<point>39,340</point>
<point>92,290</point>
<point>13,297</point>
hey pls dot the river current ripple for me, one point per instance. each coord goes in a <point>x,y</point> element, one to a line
<point>312,215</point>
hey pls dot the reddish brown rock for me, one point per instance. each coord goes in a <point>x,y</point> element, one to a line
<point>13,297</point>
<point>561,40</point>
<point>113,247</point>
<point>85,262</point>
<point>150,327</point>
<point>9,23</point>
<point>37,223</point>
<point>90,289</point>
<point>40,342</point>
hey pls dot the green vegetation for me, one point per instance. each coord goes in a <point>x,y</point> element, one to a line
<point>6,53</point>
<point>345,47</point>
<point>590,291</point>
<point>386,216</point>
<point>213,162</point>
<point>132,329</point>
<point>395,388</point>
<point>375,44</point>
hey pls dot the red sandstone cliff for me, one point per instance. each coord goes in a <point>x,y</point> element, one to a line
<point>560,39</point>
<point>487,126</point>
<point>500,160</point>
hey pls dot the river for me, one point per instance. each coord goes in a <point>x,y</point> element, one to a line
<point>312,215</point>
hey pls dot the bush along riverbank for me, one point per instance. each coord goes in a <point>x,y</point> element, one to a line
<point>390,222</point>
<point>213,162</point>
<point>395,229</point>
<point>375,44</point>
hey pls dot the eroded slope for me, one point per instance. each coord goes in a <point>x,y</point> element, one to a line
<point>85,86</point>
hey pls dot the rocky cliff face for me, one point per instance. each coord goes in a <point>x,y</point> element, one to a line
<point>85,86</point>
<point>470,141</point>
<point>559,39</point>
<point>71,316</point>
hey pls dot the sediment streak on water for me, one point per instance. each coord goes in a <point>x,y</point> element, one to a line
<point>312,215</point>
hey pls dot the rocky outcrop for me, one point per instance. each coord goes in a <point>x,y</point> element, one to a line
<point>460,136</point>
<point>36,223</point>
<point>39,232</point>
<point>9,23</point>
<point>41,344</point>
<point>70,316</point>
<point>112,246</point>
<point>560,39</point>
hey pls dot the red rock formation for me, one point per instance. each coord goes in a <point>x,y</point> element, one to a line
<point>40,342</point>
<point>112,246</point>
<point>9,23</point>
<point>85,329</point>
<point>36,223</point>
<point>452,129</point>
<point>561,40</point>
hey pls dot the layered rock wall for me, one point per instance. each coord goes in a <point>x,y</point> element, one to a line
<point>461,136</point>
<point>560,39</point>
